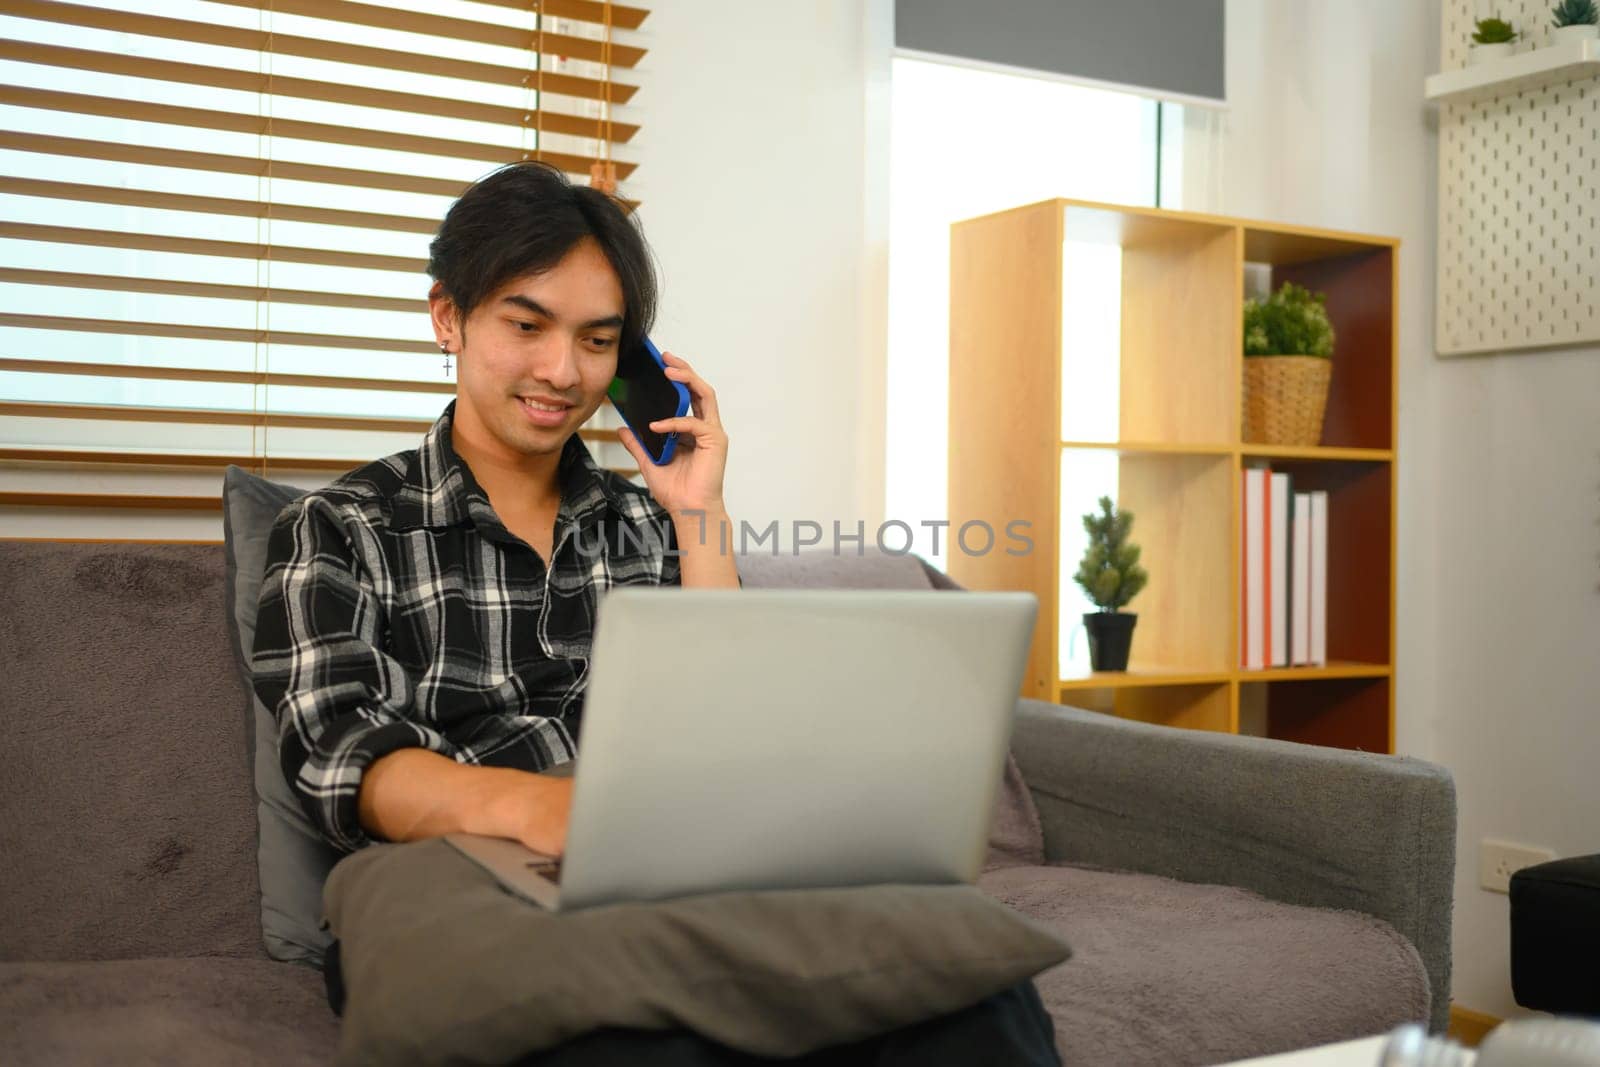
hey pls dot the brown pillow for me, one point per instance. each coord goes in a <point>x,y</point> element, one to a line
<point>440,963</point>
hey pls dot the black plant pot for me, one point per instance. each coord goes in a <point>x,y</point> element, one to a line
<point>1110,638</point>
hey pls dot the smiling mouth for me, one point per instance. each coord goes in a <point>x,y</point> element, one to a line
<point>539,405</point>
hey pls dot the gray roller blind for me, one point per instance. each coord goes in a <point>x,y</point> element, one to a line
<point>1167,48</point>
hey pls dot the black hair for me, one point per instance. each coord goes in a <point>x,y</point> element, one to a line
<point>523,219</point>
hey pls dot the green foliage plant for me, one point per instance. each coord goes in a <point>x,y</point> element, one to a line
<point>1291,322</point>
<point>1494,31</point>
<point>1575,13</point>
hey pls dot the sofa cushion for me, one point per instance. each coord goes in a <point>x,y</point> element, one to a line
<point>126,827</point>
<point>198,1010</point>
<point>292,859</point>
<point>1176,973</point>
<point>441,964</point>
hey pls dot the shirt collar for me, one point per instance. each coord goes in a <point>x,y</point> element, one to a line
<point>439,489</point>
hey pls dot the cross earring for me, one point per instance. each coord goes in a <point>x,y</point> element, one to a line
<point>444,348</point>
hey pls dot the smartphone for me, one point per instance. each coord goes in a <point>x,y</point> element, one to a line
<point>642,393</point>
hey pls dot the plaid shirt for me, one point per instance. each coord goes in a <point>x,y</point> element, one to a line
<point>398,611</point>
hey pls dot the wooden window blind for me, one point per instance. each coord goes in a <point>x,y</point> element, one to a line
<point>214,214</point>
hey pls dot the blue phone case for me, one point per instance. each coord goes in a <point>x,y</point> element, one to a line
<point>683,409</point>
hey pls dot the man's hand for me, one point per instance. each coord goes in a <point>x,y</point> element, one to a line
<point>414,794</point>
<point>692,481</point>
<point>532,809</point>
<point>690,486</point>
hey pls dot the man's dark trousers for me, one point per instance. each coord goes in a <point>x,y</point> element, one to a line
<point>1010,1029</point>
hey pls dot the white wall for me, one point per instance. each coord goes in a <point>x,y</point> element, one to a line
<point>773,255</point>
<point>1499,469</point>
<point>773,251</point>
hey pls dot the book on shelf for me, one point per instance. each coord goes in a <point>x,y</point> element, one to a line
<point>1278,569</point>
<point>1252,619</point>
<point>1284,593</point>
<point>1319,579</point>
<point>1300,581</point>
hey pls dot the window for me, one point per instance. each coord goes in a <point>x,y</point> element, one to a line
<point>967,142</point>
<point>214,214</point>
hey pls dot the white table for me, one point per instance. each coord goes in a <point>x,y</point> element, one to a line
<point>1360,1053</point>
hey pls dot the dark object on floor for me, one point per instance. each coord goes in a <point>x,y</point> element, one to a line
<point>1555,936</point>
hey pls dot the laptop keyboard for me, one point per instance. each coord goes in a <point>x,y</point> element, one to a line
<point>550,869</point>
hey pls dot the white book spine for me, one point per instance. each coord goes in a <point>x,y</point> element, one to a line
<point>1300,589</point>
<point>1244,567</point>
<point>1255,486</point>
<point>1279,578</point>
<point>1319,578</point>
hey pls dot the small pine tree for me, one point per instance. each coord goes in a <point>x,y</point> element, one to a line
<point>1110,573</point>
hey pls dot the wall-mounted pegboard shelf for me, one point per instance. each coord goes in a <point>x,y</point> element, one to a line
<point>1514,73</point>
<point>1518,259</point>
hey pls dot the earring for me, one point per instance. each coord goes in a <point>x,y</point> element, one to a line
<point>444,348</point>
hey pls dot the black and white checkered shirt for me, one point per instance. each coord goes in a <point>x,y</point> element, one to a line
<point>398,611</point>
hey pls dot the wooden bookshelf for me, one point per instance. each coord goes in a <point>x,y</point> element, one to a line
<point>1178,455</point>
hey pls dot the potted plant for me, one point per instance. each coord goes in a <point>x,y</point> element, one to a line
<point>1491,40</point>
<point>1575,20</point>
<point>1288,345</point>
<point>1111,576</point>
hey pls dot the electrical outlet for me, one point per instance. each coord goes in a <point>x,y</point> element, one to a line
<point>1497,860</point>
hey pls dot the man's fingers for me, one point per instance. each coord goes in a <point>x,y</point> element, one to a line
<point>631,443</point>
<point>702,430</point>
<point>702,396</point>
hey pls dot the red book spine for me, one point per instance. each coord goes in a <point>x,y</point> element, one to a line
<point>1266,565</point>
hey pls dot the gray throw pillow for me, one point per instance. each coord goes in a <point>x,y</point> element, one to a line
<point>293,859</point>
<point>442,965</point>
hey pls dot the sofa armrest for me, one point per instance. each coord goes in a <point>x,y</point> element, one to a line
<point>1298,823</point>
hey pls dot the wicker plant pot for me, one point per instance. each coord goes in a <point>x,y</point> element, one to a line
<point>1285,398</point>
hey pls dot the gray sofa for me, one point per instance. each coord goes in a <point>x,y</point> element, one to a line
<point>1225,896</point>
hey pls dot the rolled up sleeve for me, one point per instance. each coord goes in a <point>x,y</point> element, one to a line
<point>340,703</point>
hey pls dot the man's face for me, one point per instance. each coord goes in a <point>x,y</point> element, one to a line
<point>538,343</point>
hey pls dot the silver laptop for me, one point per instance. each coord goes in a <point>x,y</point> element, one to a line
<point>781,739</point>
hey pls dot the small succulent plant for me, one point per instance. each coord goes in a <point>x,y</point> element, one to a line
<point>1494,31</point>
<point>1575,13</point>
<point>1291,322</point>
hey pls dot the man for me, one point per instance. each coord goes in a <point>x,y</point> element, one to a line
<point>425,622</point>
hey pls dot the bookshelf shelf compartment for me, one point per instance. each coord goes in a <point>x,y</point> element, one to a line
<point>1340,712</point>
<point>1174,452</point>
<point>1360,553</point>
<point>1359,285</point>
